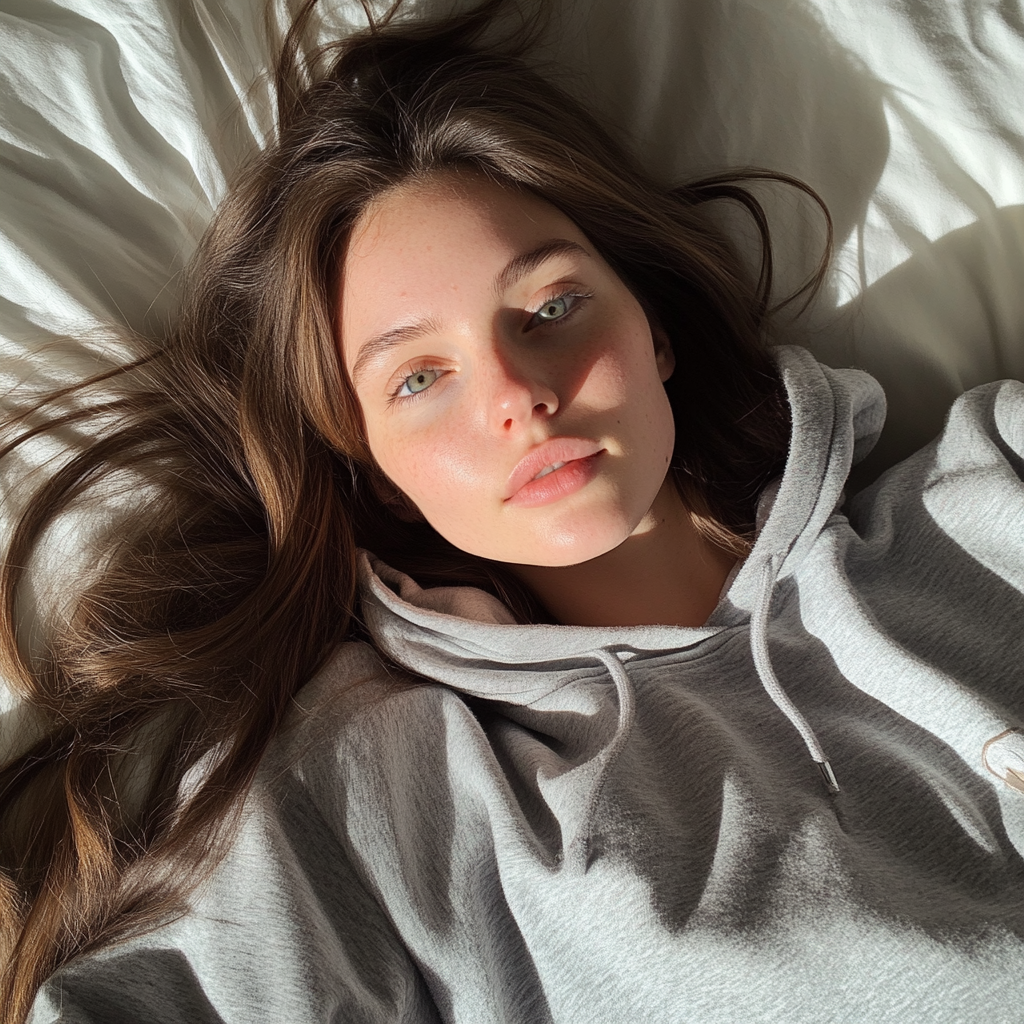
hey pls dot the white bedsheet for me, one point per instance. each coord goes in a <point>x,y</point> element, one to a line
<point>122,120</point>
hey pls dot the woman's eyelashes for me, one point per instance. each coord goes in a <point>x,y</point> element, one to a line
<point>553,312</point>
<point>558,310</point>
<point>416,383</point>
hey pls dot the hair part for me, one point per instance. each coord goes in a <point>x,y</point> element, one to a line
<point>235,574</point>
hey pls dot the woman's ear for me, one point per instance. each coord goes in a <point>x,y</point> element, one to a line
<point>664,354</point>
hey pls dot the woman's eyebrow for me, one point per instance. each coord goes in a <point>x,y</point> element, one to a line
<point>515,270</point>
<point>519,266</point>
<point>379,344</point>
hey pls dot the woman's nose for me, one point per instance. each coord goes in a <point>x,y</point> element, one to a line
<point>517,395</point>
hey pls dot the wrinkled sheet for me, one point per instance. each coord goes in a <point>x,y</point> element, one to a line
<point>121,122</point>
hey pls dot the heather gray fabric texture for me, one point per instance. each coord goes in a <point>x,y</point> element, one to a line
<point>620,824</point>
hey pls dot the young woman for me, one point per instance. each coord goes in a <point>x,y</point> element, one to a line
<point>472,422</point>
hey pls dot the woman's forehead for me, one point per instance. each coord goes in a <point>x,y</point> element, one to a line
<point>455,204</point>
<point>433,248</point>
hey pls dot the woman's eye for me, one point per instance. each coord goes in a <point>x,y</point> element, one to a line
<point>554,308</point>
<point>417,382</point>
<point>558,309</point>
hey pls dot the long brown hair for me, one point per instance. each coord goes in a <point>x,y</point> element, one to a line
<point>232,575</point>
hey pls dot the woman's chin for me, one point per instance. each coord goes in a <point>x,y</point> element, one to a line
<point>575,535</point>
<point>568,547</point>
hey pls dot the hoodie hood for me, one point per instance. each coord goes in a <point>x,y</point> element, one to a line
<point>468,640</point>
<point>837,416</point>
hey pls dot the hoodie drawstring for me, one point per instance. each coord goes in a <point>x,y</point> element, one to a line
<point>770,682</point>
<point>579,849</point>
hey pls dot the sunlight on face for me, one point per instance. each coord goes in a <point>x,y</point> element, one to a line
<point>509,381</point>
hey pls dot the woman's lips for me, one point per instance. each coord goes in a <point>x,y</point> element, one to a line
<point>559,483</point>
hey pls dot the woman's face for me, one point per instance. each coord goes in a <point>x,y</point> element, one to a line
<point>488,342</point>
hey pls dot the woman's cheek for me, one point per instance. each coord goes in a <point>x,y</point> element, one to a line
<point>604,386</point>
<point>438,469</point>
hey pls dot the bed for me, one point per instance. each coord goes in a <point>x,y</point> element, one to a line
<point>121,121</point>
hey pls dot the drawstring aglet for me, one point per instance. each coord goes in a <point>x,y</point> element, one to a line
<point>828,775</point>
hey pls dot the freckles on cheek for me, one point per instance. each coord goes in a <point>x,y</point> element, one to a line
<point>434,468</point>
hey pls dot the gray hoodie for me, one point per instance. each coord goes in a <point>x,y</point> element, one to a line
<point>809,809</point>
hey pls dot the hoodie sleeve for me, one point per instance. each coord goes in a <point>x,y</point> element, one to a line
<point>967,486</point>
<point>939,566</point>
<point>975,492</point>
<point>285,930</point>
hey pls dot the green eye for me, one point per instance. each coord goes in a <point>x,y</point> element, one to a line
<point>559,310</point>
<point>419,381</point>
<point>554,309</point>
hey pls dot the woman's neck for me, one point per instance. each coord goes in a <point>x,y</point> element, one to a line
<point>664,573</point>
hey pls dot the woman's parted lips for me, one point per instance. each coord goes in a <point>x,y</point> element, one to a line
<point>557,449</point>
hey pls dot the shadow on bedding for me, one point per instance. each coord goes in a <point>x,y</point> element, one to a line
<point>948,319</point>
<point>697,87</point>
